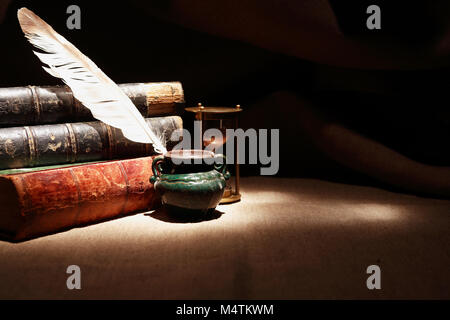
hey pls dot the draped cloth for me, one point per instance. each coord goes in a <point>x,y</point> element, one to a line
<point>395,63</point>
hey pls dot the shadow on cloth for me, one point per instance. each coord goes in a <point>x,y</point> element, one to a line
<point>162,214</point>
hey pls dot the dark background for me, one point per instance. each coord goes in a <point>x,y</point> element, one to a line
<point>401,105</point>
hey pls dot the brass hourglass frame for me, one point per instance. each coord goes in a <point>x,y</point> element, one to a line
<point>203,114</point>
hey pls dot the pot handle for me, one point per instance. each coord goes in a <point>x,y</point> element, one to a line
<point>221,167</point>
<point>156,168</point>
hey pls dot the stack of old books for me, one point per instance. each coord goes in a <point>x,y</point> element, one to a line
<point>60,168</point>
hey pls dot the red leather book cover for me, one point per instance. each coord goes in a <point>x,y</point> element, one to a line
<point>37,203</point>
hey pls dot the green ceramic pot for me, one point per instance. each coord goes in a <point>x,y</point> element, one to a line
<point>190,180</point>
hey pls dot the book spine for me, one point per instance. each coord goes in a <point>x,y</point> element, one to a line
<point>53,200</point>
<point>31,105</point>
<point>22,147</point>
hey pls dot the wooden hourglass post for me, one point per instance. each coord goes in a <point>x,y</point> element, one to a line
<point>236,164</point>
<point>200,118</point>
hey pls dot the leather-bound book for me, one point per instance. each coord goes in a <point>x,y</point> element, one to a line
<point>33,146</point>
<point>42,202</point>
<point>31,105</point>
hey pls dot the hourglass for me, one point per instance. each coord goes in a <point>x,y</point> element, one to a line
<point>221,118</point>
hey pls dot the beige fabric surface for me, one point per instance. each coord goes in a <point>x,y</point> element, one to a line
<point>287,239</point>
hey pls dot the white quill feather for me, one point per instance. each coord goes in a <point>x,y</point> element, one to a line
<point>93,88</point>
